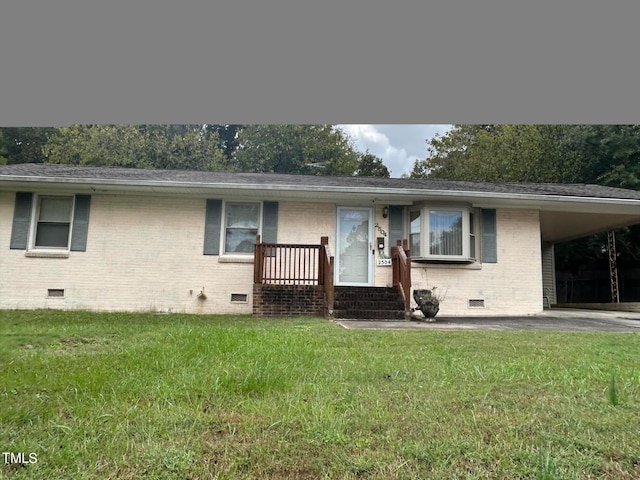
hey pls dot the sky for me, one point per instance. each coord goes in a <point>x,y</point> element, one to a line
<point>399,146</point>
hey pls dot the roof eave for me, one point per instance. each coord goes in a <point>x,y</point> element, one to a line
<point>399,195</point>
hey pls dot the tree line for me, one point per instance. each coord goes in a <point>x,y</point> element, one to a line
<point>300,149</point>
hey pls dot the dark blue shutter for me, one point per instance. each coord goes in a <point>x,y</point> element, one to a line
<point>396,224</point>
<point>269,222</point>
<point>21,218</point>
<point>489,236</point>
<point>212,225</point>
<point>80,227</point>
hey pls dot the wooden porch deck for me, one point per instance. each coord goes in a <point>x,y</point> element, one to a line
<point>298,279</point>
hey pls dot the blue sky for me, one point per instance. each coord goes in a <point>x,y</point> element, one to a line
<point>398,145</point>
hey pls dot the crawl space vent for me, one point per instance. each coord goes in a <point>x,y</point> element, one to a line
<point>238,297</point>
<point>476,303</point>
<point>55,292</point>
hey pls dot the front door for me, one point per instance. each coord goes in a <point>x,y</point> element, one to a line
<point>354,259</point>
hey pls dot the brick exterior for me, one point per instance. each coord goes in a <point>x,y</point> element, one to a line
<point>288,300</point>
<point>512,286</point>
<point>145,253</point>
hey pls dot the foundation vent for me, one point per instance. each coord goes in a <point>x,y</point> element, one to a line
<point>55,292</point>
<point>476,303</point>
<point>239,297</point>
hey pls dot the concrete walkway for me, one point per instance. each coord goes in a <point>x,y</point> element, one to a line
<point>566,320</point>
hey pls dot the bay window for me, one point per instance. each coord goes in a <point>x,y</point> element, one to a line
<point>442,233</point>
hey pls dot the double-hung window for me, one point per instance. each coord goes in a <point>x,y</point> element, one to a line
<point>242,224</point>
<point>231,227</point>
<point>442,233</point>
<point>52,225</point>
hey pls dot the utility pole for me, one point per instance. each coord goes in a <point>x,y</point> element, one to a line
<point>613,266</point>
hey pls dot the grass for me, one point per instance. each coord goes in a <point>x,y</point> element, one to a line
<point>122,396</point>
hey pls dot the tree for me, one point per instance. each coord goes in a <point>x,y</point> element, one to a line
<point>370,165</point>
<point>24,144</point>
<point>518,153</point>
<point>228,136</point>
<point>186,147</point>
<point>98,145</point>
<point>190,148</point>
<point>302,149</point>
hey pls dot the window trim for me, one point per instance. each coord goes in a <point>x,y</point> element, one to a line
<point>425,233</point>
<point>223,230</point>
<point>35,220</point>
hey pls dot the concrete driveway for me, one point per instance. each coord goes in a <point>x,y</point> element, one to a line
<point>565,320</point>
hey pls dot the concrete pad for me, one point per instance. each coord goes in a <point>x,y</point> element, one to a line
<point>566,320</point>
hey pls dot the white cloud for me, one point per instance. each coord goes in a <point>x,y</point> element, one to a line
<point>399,146</point>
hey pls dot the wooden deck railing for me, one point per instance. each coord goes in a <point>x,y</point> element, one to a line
<point>295,264</point>
<point>401,266</point>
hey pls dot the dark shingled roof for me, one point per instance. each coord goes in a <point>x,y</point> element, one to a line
<point>133,176</point>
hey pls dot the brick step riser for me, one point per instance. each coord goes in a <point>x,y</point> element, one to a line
<point>367,306</point>
<point>369,314</point>
<point>355,298</point>
<point>386,295</point>
<point>380,303</point>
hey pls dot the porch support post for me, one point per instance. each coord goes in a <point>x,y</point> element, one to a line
<point>325,273</point>
<point>329,286</point>
<point>258,261</point>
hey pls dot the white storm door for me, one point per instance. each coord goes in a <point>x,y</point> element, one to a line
<point>354,257</point>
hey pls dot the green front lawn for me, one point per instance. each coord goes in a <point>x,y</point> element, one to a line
<point>193,397</point>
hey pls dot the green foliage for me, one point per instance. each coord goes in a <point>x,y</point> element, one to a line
<point>370,165</point>
<point>549,469</point>
<point>24,144</point>
<point>194,148</point>
<point>187,147</point>
<point>228,137</point>
<point>301,149</point>
<point>499,153</point>
<point>613,391</point>
<point>604,154</point>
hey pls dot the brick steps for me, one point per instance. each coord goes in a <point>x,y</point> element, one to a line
<point>288,300</point>
<point>364,303</point>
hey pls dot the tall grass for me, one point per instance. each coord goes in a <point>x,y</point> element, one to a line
<point>179,396</point>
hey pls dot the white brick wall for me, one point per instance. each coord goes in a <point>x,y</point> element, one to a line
<point>300,222</point>
<point>513,286</point>
<point>145,254</point>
